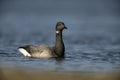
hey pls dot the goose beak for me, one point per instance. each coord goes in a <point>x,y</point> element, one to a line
<point>65,27</point>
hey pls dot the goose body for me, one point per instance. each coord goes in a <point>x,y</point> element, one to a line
<point>40,51</point>
<point>44,51</point>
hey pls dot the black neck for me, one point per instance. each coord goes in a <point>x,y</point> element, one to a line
<point>59,45</point>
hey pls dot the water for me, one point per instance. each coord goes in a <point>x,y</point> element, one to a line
<point>92,41</point>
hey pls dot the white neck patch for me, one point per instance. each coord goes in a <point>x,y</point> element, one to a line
<point>57,32</point>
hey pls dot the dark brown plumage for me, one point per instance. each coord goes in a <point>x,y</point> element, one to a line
<point>44,51</point>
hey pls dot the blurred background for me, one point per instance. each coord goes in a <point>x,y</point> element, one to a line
<point>92,40</point>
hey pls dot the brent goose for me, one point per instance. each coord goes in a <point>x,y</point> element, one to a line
<point>44,51</point>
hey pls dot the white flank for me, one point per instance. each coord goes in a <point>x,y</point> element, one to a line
<point>24,52</point>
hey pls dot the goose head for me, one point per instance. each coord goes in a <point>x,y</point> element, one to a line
<point>60,26</point>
